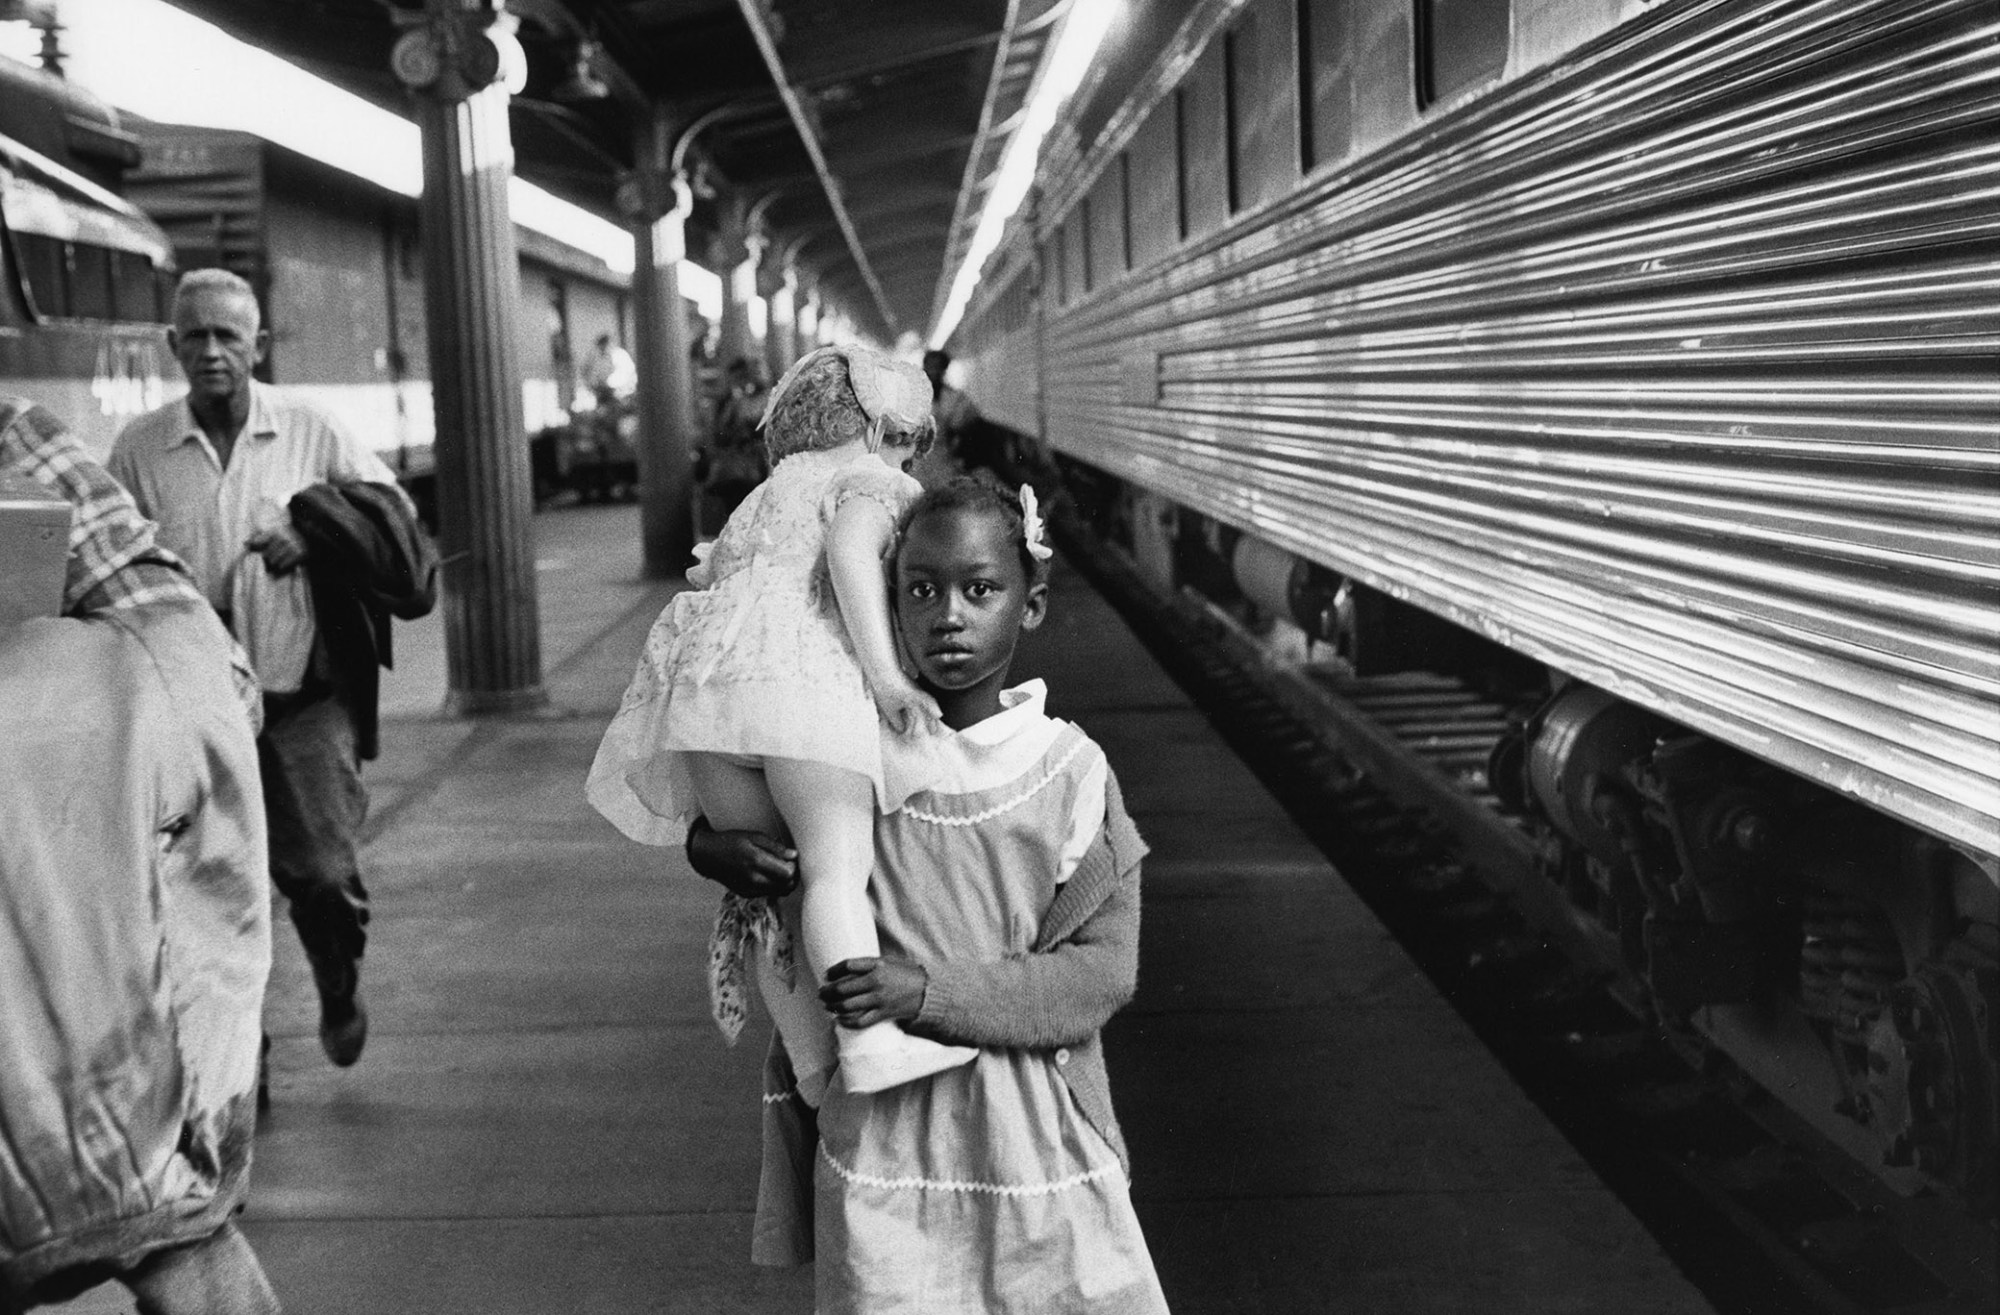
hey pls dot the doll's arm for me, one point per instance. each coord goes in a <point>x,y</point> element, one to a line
<point>856,544</point>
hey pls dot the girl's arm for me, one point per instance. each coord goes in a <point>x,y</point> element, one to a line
<point>856,544</point>
<point>1061,996</point>
<point>1055,997</point>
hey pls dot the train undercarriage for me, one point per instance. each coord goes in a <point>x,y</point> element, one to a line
<point>1845,962</point>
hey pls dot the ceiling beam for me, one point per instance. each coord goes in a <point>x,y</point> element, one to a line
<point>754,13</point>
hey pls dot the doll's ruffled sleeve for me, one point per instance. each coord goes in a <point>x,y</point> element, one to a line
<point>891,489</point>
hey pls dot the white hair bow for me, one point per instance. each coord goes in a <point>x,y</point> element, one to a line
<point>1032,528</point>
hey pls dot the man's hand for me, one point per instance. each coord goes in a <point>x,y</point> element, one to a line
<point>863,992</point>
<point>281,548</point>
<point>748,862</point>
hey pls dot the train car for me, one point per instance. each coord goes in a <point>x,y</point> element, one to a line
<point>1644,353</point>
<point>335,260</point>
<point>82,315</point>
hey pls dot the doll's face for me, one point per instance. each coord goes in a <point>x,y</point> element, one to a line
<point>899,448</point>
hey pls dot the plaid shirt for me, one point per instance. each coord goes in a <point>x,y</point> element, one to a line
<point>113,560</point>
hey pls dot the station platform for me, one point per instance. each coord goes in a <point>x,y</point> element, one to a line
<point>545,1121</point>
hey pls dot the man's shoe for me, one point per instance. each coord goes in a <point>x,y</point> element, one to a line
<point>343,1033</point>
<point>343,1023</point>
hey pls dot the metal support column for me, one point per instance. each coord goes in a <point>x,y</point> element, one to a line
<point>781,344</point>
<point>460,61</point>
<point>732,256</point>
<point>657,204</point>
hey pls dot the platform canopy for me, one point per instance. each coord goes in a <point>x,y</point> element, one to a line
<point>861,132</point>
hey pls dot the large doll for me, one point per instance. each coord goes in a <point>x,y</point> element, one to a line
<point>771,698</point>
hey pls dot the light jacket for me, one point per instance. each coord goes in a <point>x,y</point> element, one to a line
<point>134,940</point>
<point>1083,968</point>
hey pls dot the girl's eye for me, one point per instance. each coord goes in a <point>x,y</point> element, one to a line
<point>978,589</point>
<point>922,592</point>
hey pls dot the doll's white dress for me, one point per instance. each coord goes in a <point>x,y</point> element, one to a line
<point>756,663</point>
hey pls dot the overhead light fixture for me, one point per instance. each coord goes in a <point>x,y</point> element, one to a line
<point>1063,67</point>
<point>583,83</point>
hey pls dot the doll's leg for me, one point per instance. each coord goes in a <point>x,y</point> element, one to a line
<point>831,813</point>
<point>736,798</point>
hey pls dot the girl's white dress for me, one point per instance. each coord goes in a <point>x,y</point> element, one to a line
<point>756,663</point>
<point>983,1190</point>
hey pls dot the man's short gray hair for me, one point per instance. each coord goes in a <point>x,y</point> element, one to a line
<point>213,280</point>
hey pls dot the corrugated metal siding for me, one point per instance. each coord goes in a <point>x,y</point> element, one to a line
<point>1675,365</point>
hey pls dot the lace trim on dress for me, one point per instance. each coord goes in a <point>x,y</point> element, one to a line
<point>918,1183</point>
<point>988,814</point>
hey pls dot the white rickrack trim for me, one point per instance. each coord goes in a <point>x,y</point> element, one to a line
<point>955,1185</point>
<point>988,814</point>
<point>776,1097</point>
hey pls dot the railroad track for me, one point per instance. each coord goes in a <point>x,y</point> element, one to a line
<point>1388,777</point>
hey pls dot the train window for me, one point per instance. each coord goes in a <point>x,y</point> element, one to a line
<point>1263,68</point>
<point>135,288</point>
<point>1205,143</point>
<point>1460,43</point>
<point>41,260</point>
<point>1326,81</point>
<point>1110,246</point>
<point>1076,254</point>
<point>89,281</point>
<point>1153,186</point>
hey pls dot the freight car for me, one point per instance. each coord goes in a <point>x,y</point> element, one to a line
<point>1645,346</point>
<point>336,262</point>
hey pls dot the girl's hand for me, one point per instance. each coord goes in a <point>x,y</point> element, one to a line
<point>904,706</point>
<point>748,862</point>
<point>863,992</point>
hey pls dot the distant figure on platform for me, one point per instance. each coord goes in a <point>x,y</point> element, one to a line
<point>756,703</point>
<point>219,470</point>
<point>734,461</point>
<point>1008,899</point>
<point>962,434</point>
<point>609,373</point>
<point>135,933</point>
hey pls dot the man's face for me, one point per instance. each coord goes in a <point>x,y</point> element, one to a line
<point>218,342</point>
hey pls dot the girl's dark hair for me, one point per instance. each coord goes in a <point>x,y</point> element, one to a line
<point>980,493</point>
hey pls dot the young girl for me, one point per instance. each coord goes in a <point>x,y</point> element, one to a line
<point>755,701</point>
<point>1008,900</point>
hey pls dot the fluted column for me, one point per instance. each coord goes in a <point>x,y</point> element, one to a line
<point>459,62</point>
<point>657,207</point>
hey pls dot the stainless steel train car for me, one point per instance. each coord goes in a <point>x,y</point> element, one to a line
<point>97,212</point>
<point>85,274</point>
<point>1650,345</point>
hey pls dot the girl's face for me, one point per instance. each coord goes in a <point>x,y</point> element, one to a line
<point>962,601</point>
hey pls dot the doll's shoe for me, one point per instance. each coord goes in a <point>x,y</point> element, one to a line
<point>884,1056</point>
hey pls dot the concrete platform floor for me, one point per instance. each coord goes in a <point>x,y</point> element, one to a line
<point>545,1122</point>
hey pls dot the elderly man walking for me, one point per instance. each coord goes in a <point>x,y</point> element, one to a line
<point>217,470</point>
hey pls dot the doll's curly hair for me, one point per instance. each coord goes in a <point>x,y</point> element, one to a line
<point>820,411</point>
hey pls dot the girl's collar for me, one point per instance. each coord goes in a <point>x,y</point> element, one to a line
<point>1020,707</point>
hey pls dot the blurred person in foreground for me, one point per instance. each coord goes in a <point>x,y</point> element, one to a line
<point>219,471</point>
<point>134,917</point>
